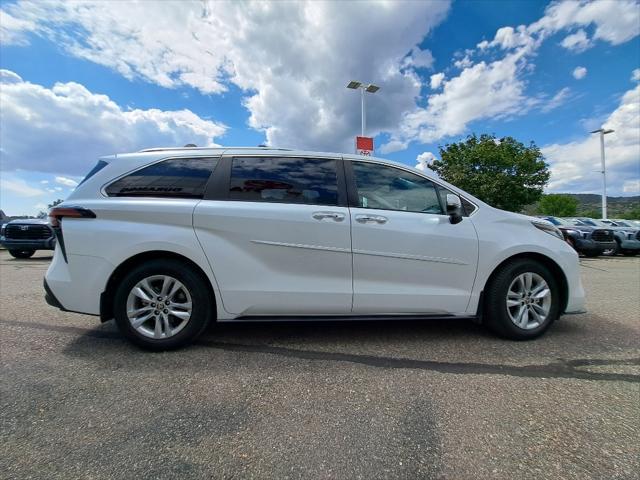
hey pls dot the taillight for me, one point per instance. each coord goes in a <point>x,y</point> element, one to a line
<point>58,213</point>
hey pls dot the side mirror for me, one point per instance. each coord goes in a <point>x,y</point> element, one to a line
<point>454,208</point>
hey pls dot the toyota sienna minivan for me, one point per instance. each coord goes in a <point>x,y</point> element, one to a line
<point>166,241</point>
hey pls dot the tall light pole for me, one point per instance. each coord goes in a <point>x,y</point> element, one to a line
<point>371,88</point>
<point>602,133</point>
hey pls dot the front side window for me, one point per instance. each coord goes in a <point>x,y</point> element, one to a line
<point>173,178</point>
<point>284,180</point>
<point>390,188</point>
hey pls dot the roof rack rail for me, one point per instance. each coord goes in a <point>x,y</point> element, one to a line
<point>161,149</point>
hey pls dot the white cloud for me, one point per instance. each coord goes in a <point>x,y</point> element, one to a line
<point>419,58</point>
<point>635,75</point>
<point>615,21</point>
<point>498,89</point>
<point>292,60</point>
<point>19,187</point>
<point>578,42</point>
<point>557,100</point>
<point>64,129</point>
<point>44,182</point>
<point>423,160</point>
<point>436,80</point>
<point>579,73</point>
<point>67,182</point>
<point>631,186</point>
<point>485,90</point>
<point>575,166</point>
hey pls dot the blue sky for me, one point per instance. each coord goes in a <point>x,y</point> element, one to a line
<point>80,80</point>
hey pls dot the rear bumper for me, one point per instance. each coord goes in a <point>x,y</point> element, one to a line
<point>15,244</point>
<point>50,298</point>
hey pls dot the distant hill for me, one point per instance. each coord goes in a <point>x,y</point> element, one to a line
<point>616,206</point>
<point>589,205</point>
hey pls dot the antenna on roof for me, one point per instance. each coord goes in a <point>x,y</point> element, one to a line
<point>190,145</point>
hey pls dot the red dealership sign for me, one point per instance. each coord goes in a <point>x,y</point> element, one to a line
<point>364,145</point>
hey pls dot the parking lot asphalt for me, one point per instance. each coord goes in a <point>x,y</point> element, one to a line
<point>430,399</point>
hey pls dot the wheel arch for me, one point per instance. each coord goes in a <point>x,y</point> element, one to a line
<point>106,298</point>
<point>553,267</point>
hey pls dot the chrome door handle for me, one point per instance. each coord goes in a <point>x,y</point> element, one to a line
<point>379,219</point>
<point>336,216</point>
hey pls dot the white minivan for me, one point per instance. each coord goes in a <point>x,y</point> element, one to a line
<point>166,241</point>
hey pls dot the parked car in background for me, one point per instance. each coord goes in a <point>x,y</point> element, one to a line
<point>167,240</point>
<point>587,240</point>
<point>23,237</point>
<point>627,238</point>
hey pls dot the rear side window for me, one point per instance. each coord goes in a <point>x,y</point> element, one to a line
<point>98,166</point>
<point>284,180</point>
<point>173,178</point>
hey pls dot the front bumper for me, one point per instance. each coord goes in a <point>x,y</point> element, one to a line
<point>588,245</point>
<point>15,244</point>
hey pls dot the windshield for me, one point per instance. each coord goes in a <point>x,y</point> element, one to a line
<point>557,221</point>
<point>622,224</point>
<point>595,223</point>
<point>576,222</point>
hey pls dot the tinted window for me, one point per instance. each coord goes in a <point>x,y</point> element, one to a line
<point>284,180</point>
<point>390,188</point>
<point>177,177</point>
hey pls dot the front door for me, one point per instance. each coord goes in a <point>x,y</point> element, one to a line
<point>407,256</point>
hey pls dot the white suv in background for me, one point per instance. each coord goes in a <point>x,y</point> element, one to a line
<point>167,240</point>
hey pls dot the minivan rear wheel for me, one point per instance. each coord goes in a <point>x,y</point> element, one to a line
<point>162,305</point>
<point>522,300</point>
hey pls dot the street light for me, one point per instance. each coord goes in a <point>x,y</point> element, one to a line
<point>371,88</point>
<point>602,133</point>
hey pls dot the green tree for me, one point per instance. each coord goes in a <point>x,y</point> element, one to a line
<point>503,172</point>
<point>592,213</point>
<point>558,205</point>
<point>44,214</point>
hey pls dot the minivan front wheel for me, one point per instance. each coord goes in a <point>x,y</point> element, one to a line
<point>522,300</point>
<point>162,305</point>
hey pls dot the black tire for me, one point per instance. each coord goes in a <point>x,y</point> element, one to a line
<point>22,253</point>
<point>615,250</point>
<point>592,254</point>
<point>203,307</point>
<point>496,314</point>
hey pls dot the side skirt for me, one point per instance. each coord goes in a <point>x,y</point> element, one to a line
<point>341,318</point>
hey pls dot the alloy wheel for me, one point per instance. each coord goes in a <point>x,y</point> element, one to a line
<point>528,300</point>
<point>159,306</point>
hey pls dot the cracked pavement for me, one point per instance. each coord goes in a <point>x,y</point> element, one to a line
<point>409,399</point>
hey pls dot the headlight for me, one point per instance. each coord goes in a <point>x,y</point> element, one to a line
<point>548,228</point>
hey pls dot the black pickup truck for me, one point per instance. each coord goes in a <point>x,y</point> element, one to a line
<point>23,237</point>
<point>585,239</point>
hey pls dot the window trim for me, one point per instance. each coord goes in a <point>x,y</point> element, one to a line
<point>352,187</point>
<point>103,189</point>
<point>220,182</point>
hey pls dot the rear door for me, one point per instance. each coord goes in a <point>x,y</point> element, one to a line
<point>276,231</point>
<point>407,256</point>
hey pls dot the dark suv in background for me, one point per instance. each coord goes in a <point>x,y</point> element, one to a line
<point>23,237</point>
<point>589,240</point>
